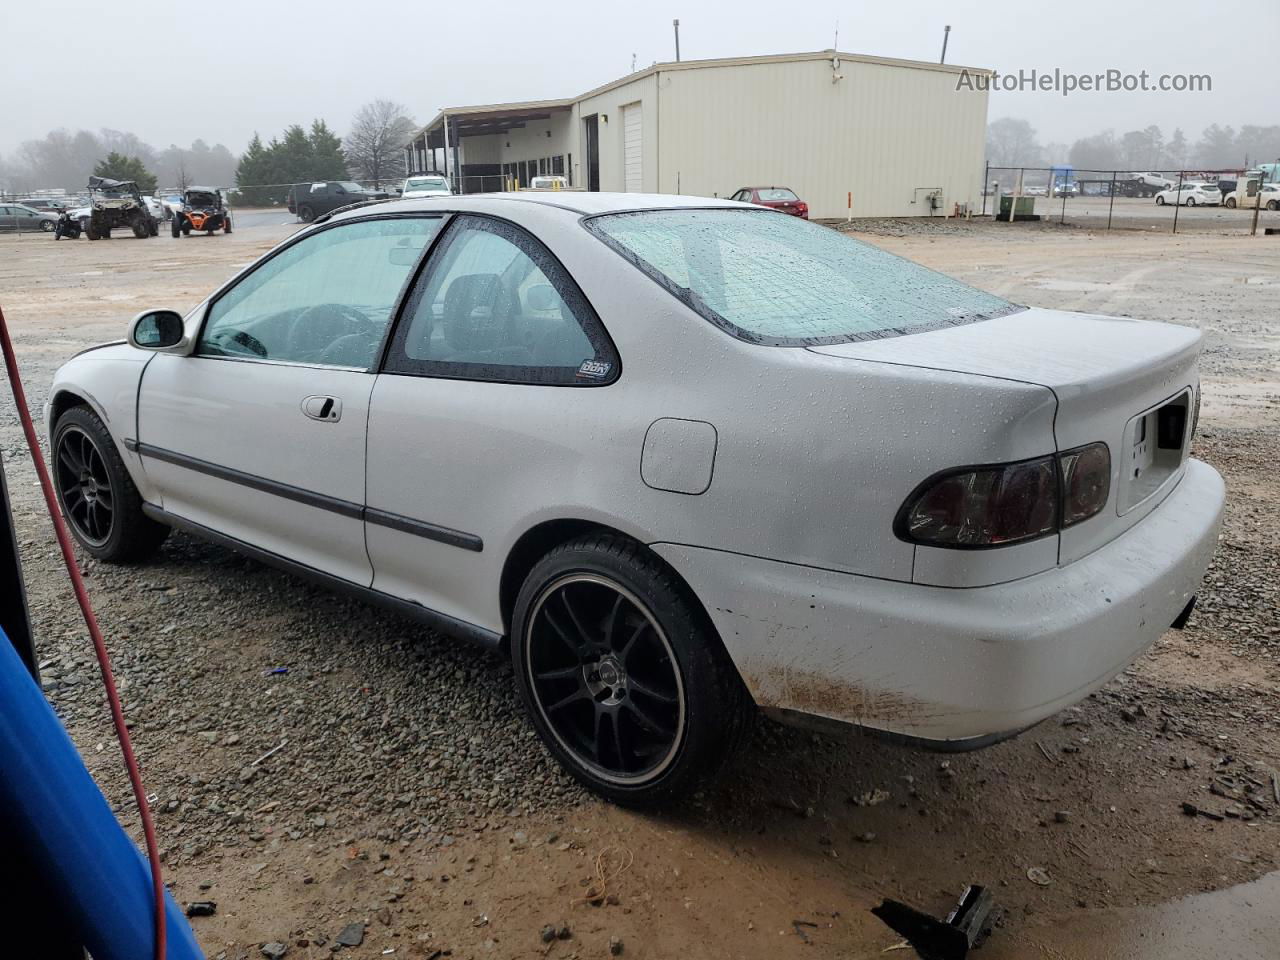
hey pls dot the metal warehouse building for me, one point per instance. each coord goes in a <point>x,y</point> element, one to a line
<point>905,138</point>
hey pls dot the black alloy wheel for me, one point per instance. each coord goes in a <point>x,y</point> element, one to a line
<point>623,673</point>
<point>84,485</point>
<point>603,678</point>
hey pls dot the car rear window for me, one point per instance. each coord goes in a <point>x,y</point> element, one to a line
<point>776,193</point>
<point>783,281</point>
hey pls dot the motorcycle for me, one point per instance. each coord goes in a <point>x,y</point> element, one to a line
<point>67,226</point>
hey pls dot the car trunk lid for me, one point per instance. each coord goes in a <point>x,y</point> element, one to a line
<point>1129,383</point>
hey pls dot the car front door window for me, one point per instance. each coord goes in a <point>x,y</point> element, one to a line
<point>326,300</point>
<point>496,305</point>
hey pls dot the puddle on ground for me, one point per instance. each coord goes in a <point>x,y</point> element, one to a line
<point>1238,923</point>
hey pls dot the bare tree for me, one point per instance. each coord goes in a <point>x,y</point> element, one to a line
<point>375,146</point>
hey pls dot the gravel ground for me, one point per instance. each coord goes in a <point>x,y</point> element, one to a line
<point>318,763</point>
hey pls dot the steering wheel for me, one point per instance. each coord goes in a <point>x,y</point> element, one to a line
<point>317,327</point>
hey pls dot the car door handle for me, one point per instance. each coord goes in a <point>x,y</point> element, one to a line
<point>325,409</point>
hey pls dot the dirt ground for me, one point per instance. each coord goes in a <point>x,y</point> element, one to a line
<point>408,795</point>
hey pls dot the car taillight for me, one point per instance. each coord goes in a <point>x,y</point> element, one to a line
<point>1086,482</point>
<point>1001,504</point>
<point>802,207</point>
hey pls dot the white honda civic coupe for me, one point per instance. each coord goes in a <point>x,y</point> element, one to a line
<point>680,457</point>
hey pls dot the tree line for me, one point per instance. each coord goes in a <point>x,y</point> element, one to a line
<point>372,150</point>
<point>1012,142</point>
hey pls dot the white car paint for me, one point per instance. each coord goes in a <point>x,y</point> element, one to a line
<point>1270,198</point>
<point>768,477</point>
<point>1191,194</point>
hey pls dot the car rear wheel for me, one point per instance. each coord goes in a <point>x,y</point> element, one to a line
<point>176,228</point>
<point>306,214</point>
<point>1273,204</point>
<point>1231,203</point>
<point>98,498</point>
<point>1191,201</point>
<point>46,225</point>
<point>622,673</point>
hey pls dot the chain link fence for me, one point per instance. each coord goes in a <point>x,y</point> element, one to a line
<point>1214,201</point>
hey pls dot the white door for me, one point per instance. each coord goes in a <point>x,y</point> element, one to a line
<point>259,434</point>
<point>633,148</point>
<point>494,355</point>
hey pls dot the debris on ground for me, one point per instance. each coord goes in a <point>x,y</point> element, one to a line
<point>352,935</point>
<point>201,908</point>
<point>951,939</point>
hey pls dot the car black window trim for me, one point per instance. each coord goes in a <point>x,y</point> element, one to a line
<point>444,216</point>
<point>397,361</point>
<point>695,303</point>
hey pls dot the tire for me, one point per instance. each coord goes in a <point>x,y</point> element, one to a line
<point>226,225</point>
<point>306,214</point>
<point>153,227</point>
<point>176,228</point>
<point>47,225</point>
<point>594,617</point>
<point>1273,204</point>
<point>97,496</point>
<point>186,228</point>
<point>140,228</point>
<point>1159,201</point>
<point>1191,201</point>
<point>1230,203</point>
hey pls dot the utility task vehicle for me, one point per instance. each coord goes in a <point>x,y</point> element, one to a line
<point>117,203</point>
<point>202,209</point>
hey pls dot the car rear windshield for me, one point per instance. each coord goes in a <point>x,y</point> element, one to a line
<point>426,183</point>
<point>776,193</point>
<point>768,278</point>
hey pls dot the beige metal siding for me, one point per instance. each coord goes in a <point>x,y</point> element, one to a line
<point>641,92</point>
<point>633,147</point>
<point>888,134</point>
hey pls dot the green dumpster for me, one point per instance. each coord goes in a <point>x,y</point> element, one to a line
<point>1024,210</point>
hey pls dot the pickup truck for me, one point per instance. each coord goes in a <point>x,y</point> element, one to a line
<point>309,200</point>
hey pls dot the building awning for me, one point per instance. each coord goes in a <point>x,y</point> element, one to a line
<point>482,121</point>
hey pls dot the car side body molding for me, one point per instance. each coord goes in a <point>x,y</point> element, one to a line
<point>346,508</point>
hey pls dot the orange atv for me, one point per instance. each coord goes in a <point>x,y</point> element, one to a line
<point>202,209</point>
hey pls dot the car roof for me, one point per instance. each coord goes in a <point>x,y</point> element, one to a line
<point>580,202</point>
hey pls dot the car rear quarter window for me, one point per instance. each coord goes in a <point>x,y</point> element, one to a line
<point>494,304</point>
<point>768,278</point>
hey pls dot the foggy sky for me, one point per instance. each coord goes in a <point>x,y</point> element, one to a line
<point>221,71</point>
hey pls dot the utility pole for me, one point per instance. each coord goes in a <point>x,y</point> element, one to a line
<point>676,25</point>
<point>946,35</point>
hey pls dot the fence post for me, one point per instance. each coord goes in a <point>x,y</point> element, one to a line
<point>1257,199</point>
<point>1063,218</point>
<point>1177,202</point>
<point>1112,205</point>
<point>986,178</point>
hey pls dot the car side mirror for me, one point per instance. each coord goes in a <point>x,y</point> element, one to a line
<point>156,330</point>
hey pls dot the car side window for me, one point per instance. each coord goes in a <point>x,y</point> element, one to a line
<point>326,299</point>
<point>494,304</point>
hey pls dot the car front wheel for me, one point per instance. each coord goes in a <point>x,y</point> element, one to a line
<point>622,673</point>
<point>98,498</point>
<point>1159,201</point>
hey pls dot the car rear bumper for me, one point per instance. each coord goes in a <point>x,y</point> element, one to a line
<point>948,665</point>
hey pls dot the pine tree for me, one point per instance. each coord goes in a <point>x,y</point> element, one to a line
<point>119,167</point>
<point>328,163</point>
<point>252,171</point>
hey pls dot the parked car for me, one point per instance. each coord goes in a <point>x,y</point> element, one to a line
<point>676,457</point>
<point>1191,194</point>
<point>15,217</point>
<point>1270,198</point>
<point>54,205</point>
<point>425,185</point>
<point>1066,189</point>
<point>158,209</point>
<point>310,200</point>
<point>549,183</point>
<point>778,198</point>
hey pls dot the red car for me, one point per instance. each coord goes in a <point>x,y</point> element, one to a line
<point>779,198</point>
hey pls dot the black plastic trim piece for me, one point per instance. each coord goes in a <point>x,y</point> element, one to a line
<point>819,724</point>
<point>431,531</point>
<point>452,626</point>
<point>345,508</point>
